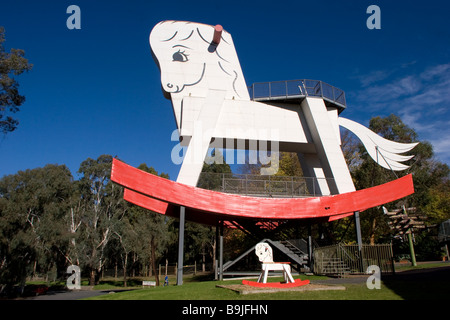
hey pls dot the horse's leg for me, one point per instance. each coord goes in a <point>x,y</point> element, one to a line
<point>201,138</point>
<point>327,143</point>
<point>194,159</point>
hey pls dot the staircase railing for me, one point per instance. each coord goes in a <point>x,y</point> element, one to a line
<point>350,259</point>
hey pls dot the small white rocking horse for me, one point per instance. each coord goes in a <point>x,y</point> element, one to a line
<point>265,255</point>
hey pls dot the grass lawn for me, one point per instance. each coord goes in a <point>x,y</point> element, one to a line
<point>207,290</point>
<point>393,288</point>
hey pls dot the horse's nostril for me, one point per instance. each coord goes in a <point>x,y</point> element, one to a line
<point>169,85</point>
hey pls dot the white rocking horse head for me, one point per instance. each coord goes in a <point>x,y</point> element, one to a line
<point>264,252</point>
<point>195,57</point>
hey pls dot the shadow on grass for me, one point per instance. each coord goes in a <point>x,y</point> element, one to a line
<point>119,283</point>
<point>201,277</point>
<point>423,284</point>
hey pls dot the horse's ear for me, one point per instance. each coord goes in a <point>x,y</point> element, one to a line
<point>217,34</point>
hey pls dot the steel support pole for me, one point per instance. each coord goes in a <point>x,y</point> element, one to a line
<point>181,246</point>
<point>359,240</point>
<point>221,252</point>
<point>411,249</point>
<point>358,230</point>
<point>410,242</point>
<point>310,250</point>
<point>216,254</point>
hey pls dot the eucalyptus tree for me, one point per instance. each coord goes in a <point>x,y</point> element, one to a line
<point>102,209</point>
<point>148,233</point>
<point>32,206</point>
<point>12,64</point>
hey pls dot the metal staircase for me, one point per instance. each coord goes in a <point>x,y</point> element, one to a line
<point>291,249</point>
<point>334,266</point>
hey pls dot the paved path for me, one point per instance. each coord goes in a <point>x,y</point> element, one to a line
<point>72,295</point>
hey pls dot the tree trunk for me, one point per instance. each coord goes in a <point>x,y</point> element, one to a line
<point>150,267</point>
<point>34,270</point>
<point>167,266</point>
<point>203,262</point>
<point>92,277</point>
<point>372,235</point>
<point>125,261</point>
<point>153,248</point>
<point>133,266</point>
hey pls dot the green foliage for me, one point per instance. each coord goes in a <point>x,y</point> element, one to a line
<point>438,204</point>
<point>289,165</point>
<point>102,209</point>
<point>49,221</point>
<point>12,64</point>
<point>32,204</point>
<point>213,166</point>
<point>393,128</point>
<point>140,224</point>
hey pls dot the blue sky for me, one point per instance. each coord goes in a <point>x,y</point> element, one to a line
<point>97,90</point>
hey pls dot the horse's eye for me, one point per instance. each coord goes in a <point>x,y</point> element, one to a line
<point>180,56</point>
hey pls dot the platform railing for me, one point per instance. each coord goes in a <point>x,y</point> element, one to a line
<point>261,185</point>
<point>278,90</point>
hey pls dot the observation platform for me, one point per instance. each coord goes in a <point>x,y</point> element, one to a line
<point>294,91</point>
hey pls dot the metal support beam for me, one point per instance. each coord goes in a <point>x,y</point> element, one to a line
<point>411,249</point>
<point>359,240</point>
<point>410,242</point>
<point>221,252</point>
<point>358,230</point>
<point>181,246</point>
<point>310,249</point>
<point>216,254</point>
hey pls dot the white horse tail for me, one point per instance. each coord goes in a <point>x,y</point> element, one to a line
<point>384,152</point>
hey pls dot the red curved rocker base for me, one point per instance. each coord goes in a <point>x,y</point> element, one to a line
<point>205,206</point>
<point>297,283</point>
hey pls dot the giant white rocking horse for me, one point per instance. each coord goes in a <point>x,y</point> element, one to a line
<point>201,74</point>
